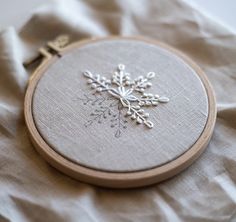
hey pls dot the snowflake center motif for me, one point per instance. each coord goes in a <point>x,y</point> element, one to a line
<point>122,87</point>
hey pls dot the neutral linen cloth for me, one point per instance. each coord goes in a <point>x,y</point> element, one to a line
<point>31,190</point>
<point>61,117</point>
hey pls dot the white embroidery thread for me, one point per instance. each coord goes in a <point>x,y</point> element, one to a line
<point>124,92</point>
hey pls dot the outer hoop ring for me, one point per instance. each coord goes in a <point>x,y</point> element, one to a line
<point>109,179</point>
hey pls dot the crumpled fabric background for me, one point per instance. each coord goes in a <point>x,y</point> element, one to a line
<point>31,190</point>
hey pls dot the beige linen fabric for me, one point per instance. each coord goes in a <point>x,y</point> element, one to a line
<point>31,190</point>
<point>60,115</point>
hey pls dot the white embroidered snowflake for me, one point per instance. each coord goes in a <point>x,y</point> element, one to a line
<point>122,87</point>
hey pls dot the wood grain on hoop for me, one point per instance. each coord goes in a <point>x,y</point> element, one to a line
<point>110,179</point>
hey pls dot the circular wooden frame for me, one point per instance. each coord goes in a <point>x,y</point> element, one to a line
<point>110,179</point>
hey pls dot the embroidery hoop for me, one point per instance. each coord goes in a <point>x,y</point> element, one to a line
<point>51,54</point>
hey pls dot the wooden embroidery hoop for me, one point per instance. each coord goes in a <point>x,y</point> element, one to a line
<point>50,54</point>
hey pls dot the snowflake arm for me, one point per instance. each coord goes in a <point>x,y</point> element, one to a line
<point>100,83</point>
<point>141,83</point>
<point>151,100</point>
<point>120,77</point>
<point>118,121</point>
<point>92,99</point>
<point>137,113</point>
<point>97,115</point>
<point>97,82</point>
